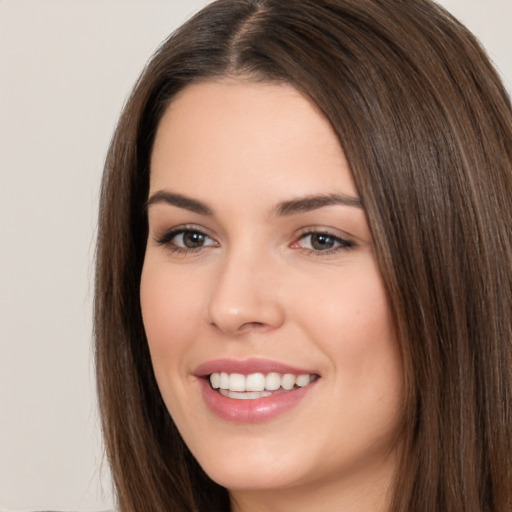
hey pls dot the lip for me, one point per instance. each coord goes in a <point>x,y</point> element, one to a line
<point>248,366</point>
<point>256,410</point>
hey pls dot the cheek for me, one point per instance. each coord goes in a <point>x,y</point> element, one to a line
<point>365,355</point>
<point>170,312</point>
<point>353,308</point>
<point>352,323</point>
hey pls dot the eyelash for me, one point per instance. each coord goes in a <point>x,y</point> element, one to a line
<point>342,243</point>
<point>166,240</point>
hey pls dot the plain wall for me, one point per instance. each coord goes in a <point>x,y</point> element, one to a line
<point>66,67</point>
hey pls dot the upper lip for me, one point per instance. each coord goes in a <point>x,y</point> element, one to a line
<point>248,366</point>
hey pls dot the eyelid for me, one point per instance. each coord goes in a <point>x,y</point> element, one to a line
<point>344,240</point>
<point>166,235</point>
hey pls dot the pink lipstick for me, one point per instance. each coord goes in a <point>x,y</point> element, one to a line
<point>253,390</point>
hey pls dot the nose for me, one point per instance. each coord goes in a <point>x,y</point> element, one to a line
<point>244,296</point>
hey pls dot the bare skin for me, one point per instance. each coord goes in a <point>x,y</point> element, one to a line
<point>241,263</point>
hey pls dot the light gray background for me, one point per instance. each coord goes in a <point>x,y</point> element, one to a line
<point>66,67</point>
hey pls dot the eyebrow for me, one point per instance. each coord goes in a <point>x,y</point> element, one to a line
<point>181,201</point>
<point>282,209</point>
<point>309,203</point>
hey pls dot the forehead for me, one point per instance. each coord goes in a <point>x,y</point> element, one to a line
<point>257,137</point>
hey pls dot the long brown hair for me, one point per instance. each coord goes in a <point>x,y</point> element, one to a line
<point>427,129</point>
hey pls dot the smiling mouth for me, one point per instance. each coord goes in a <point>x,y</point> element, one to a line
<point>257,385</point>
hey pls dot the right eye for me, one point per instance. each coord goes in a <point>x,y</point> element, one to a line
<point>184,240</point>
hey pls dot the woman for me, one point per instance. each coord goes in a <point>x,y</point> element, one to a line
<point>304,282</point>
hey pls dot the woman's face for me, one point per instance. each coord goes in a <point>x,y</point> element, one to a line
<point>260,277</point>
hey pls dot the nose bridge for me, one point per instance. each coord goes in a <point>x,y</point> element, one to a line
<point>243,295</point>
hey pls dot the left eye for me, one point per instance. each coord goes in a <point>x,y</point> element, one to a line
<point>322,242</point>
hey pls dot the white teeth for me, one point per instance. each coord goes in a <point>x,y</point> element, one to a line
<point>303,380</point>
<point>256,385</point>
<point>223,380</point>
<point>288,381</point>
<point>250,395</point>
<point>215,380</point>
<point>255,382</point>
<point>272,381</point>
<point>236,382</point>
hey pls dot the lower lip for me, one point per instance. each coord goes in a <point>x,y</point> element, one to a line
<point>255,410</point>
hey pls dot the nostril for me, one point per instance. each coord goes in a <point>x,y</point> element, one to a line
<point>252,325</point>
<point>241,302</point>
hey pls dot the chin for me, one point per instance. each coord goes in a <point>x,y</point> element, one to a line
<point>255,464</point>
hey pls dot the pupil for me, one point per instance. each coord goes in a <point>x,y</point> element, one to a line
<point>192,239</point>
<point>321,242</point>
